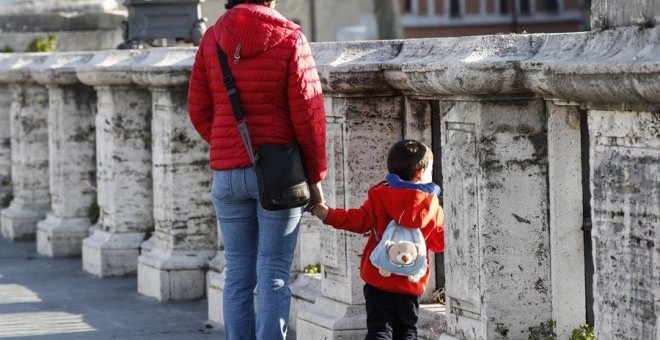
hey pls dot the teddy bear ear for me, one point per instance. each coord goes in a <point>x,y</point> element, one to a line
<point>419,248</point>
<point>388,244</point>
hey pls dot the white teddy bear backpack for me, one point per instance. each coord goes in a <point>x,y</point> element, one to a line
<point>401,251</point>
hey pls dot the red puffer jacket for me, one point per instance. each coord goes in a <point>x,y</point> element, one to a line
<point>413,206</point>
<point>279,89</point>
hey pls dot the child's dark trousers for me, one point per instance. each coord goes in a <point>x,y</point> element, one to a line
<point>390,315</point>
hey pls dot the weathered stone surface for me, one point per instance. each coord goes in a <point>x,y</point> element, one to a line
<point>495,167</point>
<point>29,148</point>
<point>354,166</point>
<point>185,223</point>
<point>566,218</point>
<point>123,163</point>
<point>465,65</point>
<point>354,67</point>
<point>625,172</point>
<point>611,66</point>
<point>609,13</point>
<point>5,140</point>
<point>72,148</point>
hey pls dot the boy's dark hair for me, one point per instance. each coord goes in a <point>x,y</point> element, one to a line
<point>406,157</point>
<point>231,3</point>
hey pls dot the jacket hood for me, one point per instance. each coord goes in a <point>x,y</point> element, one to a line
<point>250,29</point>
<point>409,204</point>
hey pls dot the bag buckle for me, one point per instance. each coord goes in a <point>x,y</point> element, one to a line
<point>228,79</point>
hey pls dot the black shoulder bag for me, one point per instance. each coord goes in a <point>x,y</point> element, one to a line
<point>280,173</point>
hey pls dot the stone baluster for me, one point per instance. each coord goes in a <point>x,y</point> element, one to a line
<point>185,224</point>
<point>71,148</point>
<point>5,137</point>
<point>29,148</point>
<point>362,112</point>
<point>494,164</point>
<point>123,163</point>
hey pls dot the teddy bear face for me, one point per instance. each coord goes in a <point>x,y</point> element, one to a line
<point>402,252</point>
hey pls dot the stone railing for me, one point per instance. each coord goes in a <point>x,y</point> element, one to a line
<point>519,124</point>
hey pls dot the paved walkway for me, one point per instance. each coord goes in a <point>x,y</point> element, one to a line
<point>44,298</point>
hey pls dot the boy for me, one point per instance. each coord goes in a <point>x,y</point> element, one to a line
<point>407,195</point>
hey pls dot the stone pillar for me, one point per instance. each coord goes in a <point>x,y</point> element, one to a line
<point>29,148</point>
<point>123,163</point>
<point>5,139</point>
<point>497,240</point>
<point>566,218</point>
<point>185,224</point>
<point>625,172</point>
<point>355,125</point>
<point>71,114</point>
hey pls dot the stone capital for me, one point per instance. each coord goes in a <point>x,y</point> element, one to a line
<point>110,68</point>
<point>164,67</point>
<point>60,68</point>
<point>354,67</point>
<point>461,66</point>
<point>18,67</point>
<point>609,66</point>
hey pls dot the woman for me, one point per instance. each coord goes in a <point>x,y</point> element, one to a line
<point>280,94</point>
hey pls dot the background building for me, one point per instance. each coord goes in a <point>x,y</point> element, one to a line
<point>443,18</point>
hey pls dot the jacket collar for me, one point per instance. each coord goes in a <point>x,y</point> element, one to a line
<point>394,181</point>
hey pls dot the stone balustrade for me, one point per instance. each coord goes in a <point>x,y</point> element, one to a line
<point>519,125</point>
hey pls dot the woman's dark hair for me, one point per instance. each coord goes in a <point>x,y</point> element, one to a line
<point>406,157</point>
<point>231,3</point>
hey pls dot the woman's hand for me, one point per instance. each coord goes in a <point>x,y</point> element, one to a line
<point>320,210</point>
<point>315,195</point>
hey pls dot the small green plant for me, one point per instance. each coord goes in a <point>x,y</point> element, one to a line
<point>6,199</point>
<point>584,332</point>
<point>313,269</point>
<point>7,49</point>
<point>94,212</point>
<point>544,331</point>
<point>43,44</point>
<point>149,231</point>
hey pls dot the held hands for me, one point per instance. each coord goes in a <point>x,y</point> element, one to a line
<point>316,203</point>
<point>320,210</point>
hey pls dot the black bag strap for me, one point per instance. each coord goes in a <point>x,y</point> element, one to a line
<point>232,92</point>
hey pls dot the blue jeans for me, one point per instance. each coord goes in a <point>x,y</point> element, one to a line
<point>259,247</point>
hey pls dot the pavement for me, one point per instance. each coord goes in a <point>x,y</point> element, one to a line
<point>45,298</point>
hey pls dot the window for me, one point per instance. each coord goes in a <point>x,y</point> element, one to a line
<point>455,8</point>
<point>407,6</point>
<point>525,8</point>
<point>504,7</point>
<point>551,6</point>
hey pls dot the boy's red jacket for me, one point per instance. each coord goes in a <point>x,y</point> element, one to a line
<point>413,206</point>
<point>279,89</point>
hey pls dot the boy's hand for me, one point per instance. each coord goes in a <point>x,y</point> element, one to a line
<point>320,210</point>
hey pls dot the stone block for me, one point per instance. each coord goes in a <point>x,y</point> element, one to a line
<point>173,275</point>
<point>19,221</point>
<point>61,237</point>
<point>330,319</point>
<point>111,254</point>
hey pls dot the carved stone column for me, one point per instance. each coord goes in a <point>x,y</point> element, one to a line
<point>494,167</point>
<point>362,122</point>
<point>29,148</point>
<point>185,224</point>
<point>5,137</point>
<point>123,163</point>
<point>71,115</point>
